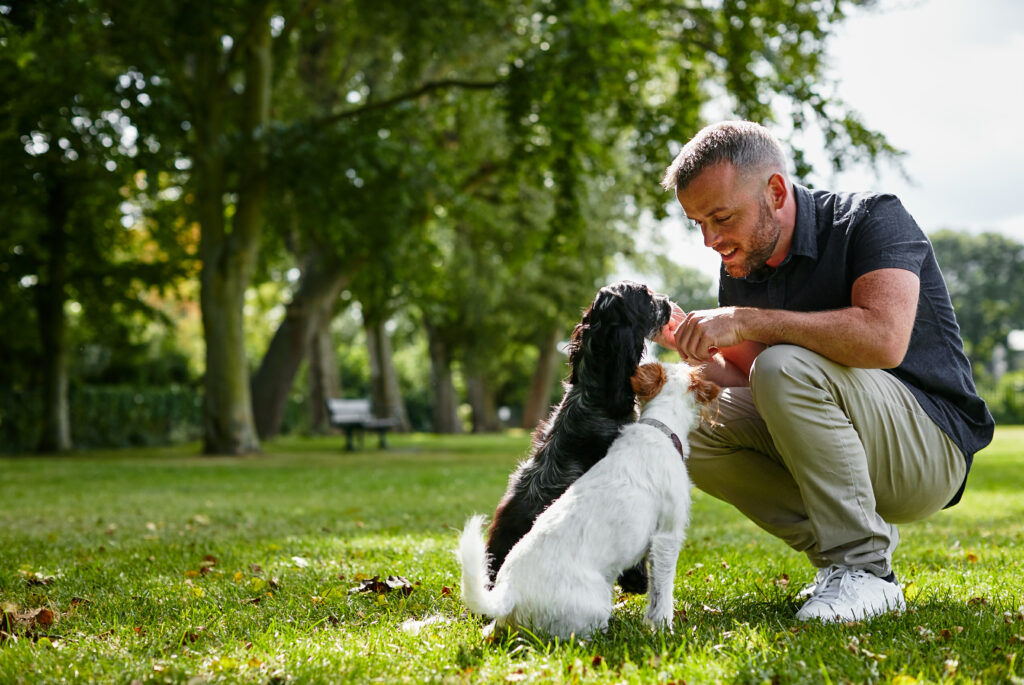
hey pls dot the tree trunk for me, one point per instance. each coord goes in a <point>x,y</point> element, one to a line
<point>446,403</point>
<point>55,432</point>
<point>384,391</point>
<point>324,381</point>
<point>312,306</point>
<point>538,402</point>
<point>481,400</point>
<point>229,257</point>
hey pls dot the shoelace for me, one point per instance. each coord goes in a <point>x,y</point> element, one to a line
<point>829,588</point>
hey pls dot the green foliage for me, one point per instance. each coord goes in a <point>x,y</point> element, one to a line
<point>985,276</point>
<point>107,416</point>
<point>161,566</point>
<point>1005,398</point>
<point>475,165</point>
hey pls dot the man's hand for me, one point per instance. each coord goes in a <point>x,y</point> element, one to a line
<point>665,337</point>
<point>702,333</point>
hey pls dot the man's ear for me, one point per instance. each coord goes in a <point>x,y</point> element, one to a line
<point>648,380</point>
<point>777,191</point>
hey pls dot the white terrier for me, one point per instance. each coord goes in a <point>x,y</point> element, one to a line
<point>558,579</point>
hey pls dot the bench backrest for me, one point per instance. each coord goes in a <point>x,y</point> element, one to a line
<point>349,410</point>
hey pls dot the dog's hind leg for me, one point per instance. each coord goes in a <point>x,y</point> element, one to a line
<point>634,579</point>
<point>663,555</point>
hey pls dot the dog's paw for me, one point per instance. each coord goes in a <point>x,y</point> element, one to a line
<point>659,621</point>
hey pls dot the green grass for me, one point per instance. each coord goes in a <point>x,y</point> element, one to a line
<point>164,566</point>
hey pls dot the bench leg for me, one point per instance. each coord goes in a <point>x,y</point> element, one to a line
<point>382,432</point>
<point>349,445</point>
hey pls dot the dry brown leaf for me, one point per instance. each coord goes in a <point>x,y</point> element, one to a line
<point>378,586</point>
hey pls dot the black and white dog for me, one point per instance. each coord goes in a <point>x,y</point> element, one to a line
<point>558,579</point>
<point>604,351</point>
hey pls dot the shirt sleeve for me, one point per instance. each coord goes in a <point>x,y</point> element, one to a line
<point>885,236</point>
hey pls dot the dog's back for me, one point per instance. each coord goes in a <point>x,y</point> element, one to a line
<point>564,448</point>
<point>558,578</point>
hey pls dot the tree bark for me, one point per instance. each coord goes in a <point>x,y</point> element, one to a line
<point>311,307</point>
<point>324,381</point>
<point>446,403</point>
<point>55,431</point>
<point>538,402</point>
<point>229,256</point>
<point>481,399</point>
<point>384,391</point>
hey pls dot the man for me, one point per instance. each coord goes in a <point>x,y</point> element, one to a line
<point>849,404</point>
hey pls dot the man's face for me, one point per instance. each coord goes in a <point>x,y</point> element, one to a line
<point>735,218</point>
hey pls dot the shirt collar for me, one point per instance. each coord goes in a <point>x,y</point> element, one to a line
<point>805,231</point>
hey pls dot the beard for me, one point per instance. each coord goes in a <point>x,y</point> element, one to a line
<point>761,245</point>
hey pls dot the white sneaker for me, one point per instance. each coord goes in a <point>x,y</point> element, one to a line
<point>808,590</point>
<point>847,594</point>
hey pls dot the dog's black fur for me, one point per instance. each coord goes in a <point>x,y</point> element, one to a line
<point>604,351</point>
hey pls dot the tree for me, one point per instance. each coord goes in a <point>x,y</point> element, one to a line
<point>985,276</point>
<point>353,165</point>
<point>68,148</point>
<point>215,65</point>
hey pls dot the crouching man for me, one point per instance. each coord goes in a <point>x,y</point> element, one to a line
<point>849,405</point>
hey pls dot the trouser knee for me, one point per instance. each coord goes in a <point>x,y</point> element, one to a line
<point>781,369</point>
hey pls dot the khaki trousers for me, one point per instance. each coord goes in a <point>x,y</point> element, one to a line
<point>825,457</point>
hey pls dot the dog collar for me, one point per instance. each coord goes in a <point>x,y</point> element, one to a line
<point>676,442</point>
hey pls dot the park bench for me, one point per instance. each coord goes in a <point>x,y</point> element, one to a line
<point>356,417</point>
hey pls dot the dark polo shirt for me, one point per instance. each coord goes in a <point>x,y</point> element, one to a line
<point>839,237</point>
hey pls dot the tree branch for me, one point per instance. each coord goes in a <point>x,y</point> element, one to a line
<point>386,103</point>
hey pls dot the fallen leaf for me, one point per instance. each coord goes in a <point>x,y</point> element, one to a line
<point>446,591</point>
<point>35,577</point>
<point>904,679</point>
<point>378,586</point>
<point>43,617</point>
<point>224,663</point>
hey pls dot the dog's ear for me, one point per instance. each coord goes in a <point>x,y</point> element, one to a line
<point>624,346</point>
<point>575,346</point>
<point>705,391</point>
<point>648,380</point>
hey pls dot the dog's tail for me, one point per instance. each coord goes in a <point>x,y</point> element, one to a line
<point>472,556</point>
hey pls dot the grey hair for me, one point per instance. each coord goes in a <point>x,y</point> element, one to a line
<point>746,145</point>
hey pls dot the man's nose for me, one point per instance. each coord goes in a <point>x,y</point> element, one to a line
<point>711,238</point>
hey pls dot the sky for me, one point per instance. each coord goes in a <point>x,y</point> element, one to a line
<point>944,81</point>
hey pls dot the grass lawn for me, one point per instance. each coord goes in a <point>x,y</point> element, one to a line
<point>163,566</point>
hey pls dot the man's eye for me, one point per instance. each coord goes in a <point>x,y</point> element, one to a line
<point>723,219</point>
